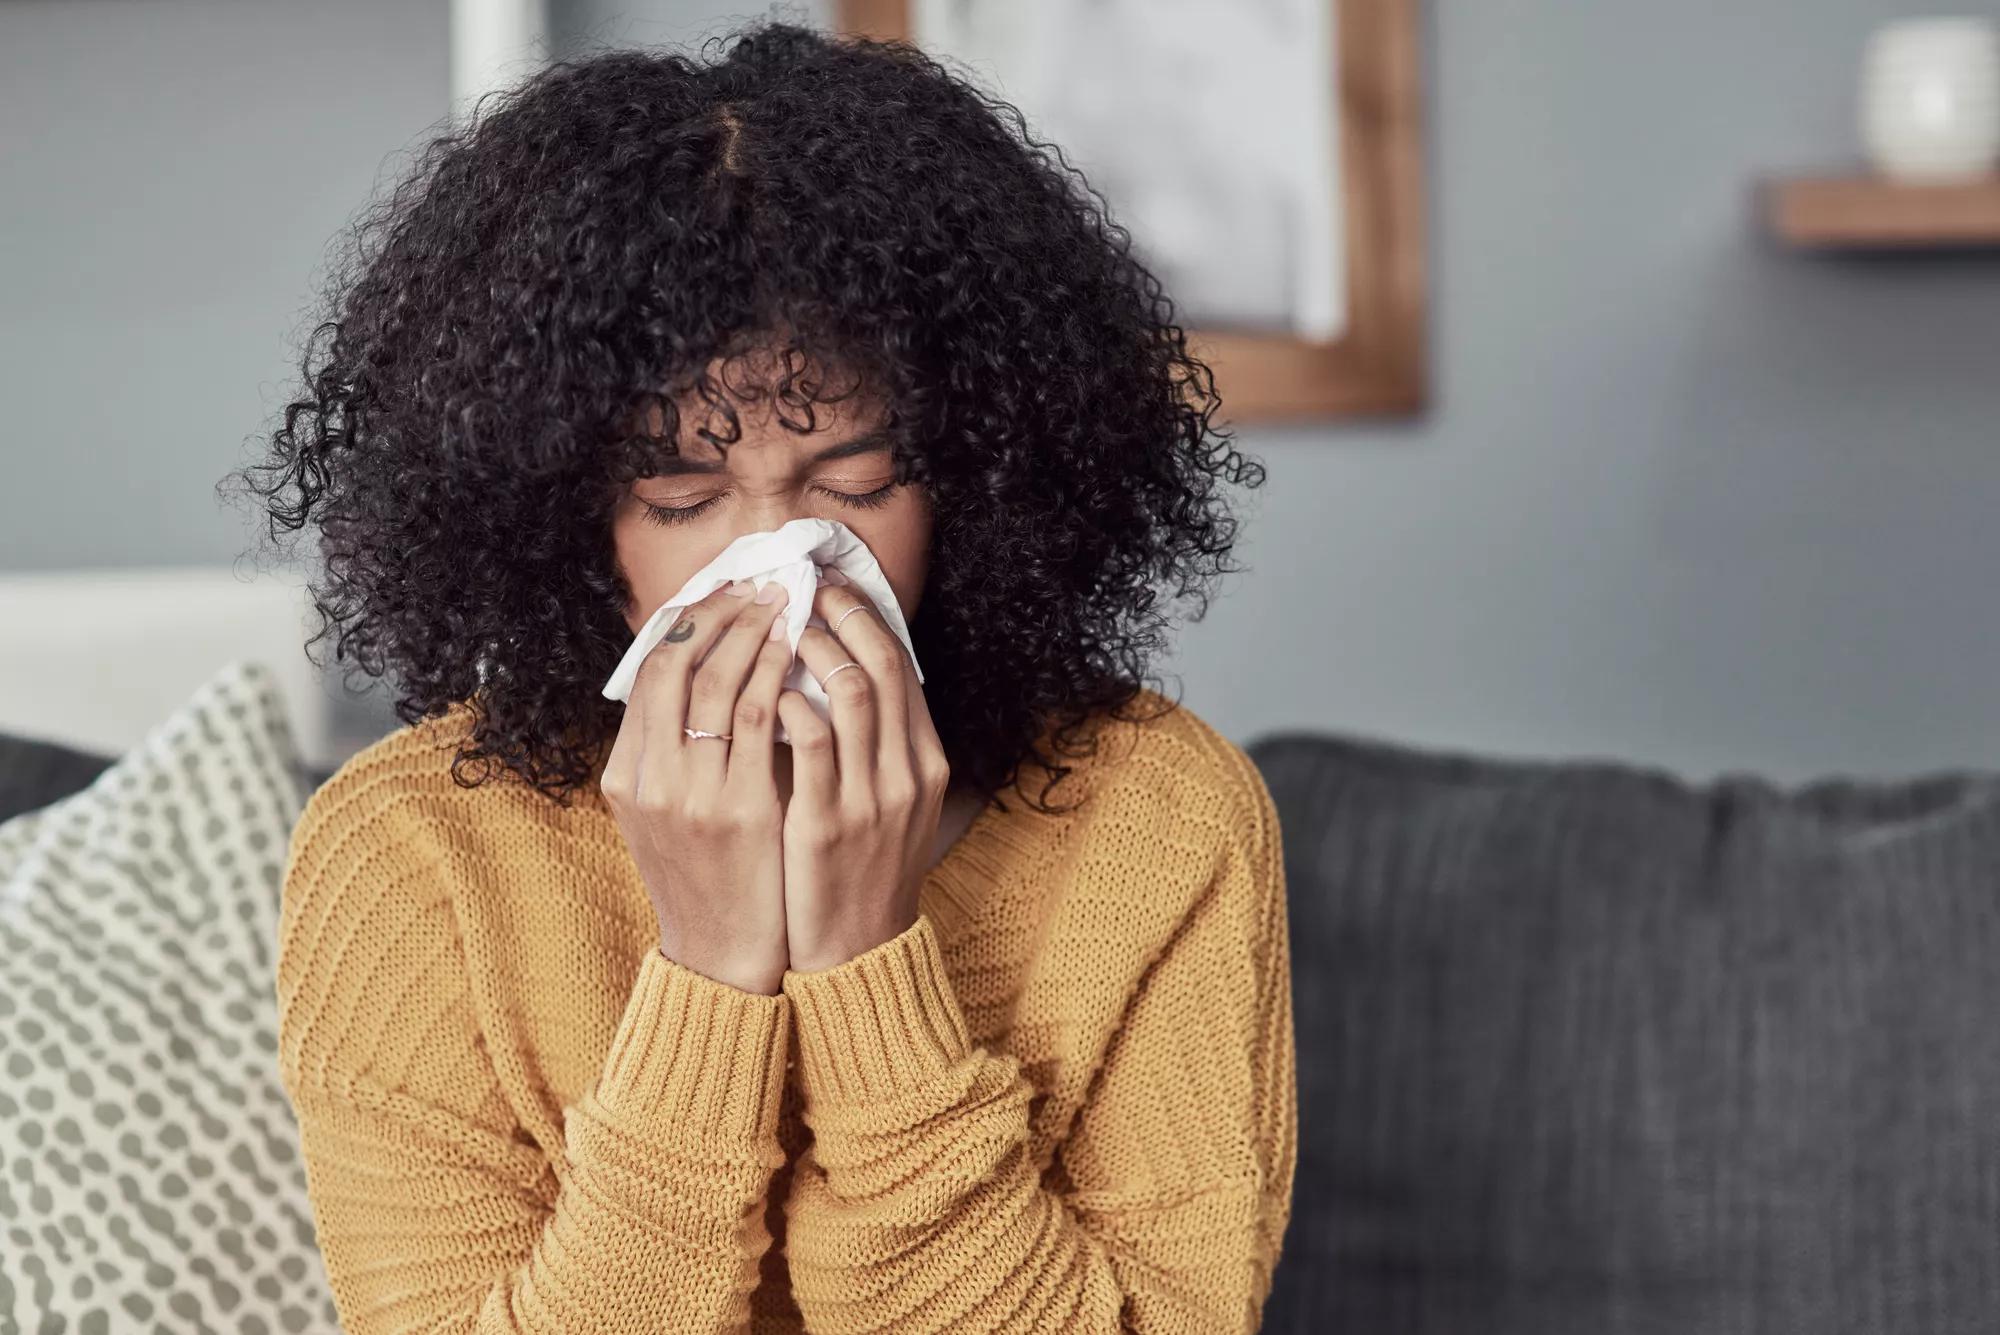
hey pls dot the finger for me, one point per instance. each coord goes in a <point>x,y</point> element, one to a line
<point>621,767</point>
<point>662,682</point>
<point>815,780</point>
<point>917,718</point>
<point>851,697</point>
<point>926,746</point>
<point>870,643</point>
<point>755,723</point>
<point>718,683</point>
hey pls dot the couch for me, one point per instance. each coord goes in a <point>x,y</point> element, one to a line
<point>1586,1048</point>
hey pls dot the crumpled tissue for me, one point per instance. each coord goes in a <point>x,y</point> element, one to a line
<point>793,556</point>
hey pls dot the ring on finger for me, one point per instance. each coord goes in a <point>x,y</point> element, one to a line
<point>697,733</point>
<point>842,668</point>
<point>858,607</point>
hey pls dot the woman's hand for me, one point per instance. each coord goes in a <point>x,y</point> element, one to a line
<point>701,815</point>
<point>867,789</point>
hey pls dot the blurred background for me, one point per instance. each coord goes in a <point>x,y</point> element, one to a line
<point>1680,493</point>
<point>1616,635</point>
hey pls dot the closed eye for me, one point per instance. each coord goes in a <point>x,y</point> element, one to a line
<point>670,514</point>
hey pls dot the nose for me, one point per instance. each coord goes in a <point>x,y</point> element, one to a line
<point>760,513</point>
<point>769,502</point>
<point>765,522</point>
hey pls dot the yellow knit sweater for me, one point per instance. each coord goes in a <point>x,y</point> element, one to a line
<point>1064,1100</point>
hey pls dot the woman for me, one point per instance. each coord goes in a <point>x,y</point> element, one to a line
<point>967,1009</point>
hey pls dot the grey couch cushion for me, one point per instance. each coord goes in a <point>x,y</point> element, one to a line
<point>1586,1049</point>
<point>36,773</point>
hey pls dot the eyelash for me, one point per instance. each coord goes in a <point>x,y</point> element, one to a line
<point>666,514</point>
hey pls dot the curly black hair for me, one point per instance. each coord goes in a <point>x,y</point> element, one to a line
<point>583,245</point>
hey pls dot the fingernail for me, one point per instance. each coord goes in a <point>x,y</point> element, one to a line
<point>740,589</point>
<point>771,592</point>
<point>835,578</point>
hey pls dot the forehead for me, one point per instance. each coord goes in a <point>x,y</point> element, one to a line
<point>764,430</point>
<point>764,421</point>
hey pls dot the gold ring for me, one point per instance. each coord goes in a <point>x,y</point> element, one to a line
<point>842,668</point>
<point>858,607</point>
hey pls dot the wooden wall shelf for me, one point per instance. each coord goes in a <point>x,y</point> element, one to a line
<point>1870,213</point>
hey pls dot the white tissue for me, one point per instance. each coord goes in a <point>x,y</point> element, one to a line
<point>792,557</point>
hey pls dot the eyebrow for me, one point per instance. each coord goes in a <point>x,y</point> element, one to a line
<point>866,443</point>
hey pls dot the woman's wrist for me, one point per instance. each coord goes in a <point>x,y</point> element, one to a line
<point>762,983</point>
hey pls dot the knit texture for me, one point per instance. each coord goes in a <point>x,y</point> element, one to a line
<point>1063,1100</point>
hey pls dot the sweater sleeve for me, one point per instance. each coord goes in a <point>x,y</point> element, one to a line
<point>917,1207</point>
<point>434,1209</point>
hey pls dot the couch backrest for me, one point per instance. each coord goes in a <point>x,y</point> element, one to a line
<point>35,773</point>
<point>1586,1048</point>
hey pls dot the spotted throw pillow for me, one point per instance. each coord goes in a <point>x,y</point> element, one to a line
<point>149,1175</point>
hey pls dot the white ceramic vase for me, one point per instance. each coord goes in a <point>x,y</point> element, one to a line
<point>1930,99</point>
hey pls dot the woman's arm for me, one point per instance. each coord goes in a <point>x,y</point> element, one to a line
<point>917,1207</point>
<point>434,1211</point>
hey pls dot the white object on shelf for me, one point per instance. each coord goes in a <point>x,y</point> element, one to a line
<point>94,659</point>
<point>1930,99</point>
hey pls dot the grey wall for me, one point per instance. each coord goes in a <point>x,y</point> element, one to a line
<point>1682,497</point>
<point>170,174</point>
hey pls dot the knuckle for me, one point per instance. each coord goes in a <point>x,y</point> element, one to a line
<point>708,688</point>
<point>816,740</point>
<point>818,836</point>
<point>751,714</point>
<point>852,689</point>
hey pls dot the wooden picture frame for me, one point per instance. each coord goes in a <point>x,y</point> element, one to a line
<point>1379,366</point>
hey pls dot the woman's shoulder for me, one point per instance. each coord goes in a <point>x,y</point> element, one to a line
<point>375,935</point>
<point>413,760</point>
<point>1169,833</point>
<point>399,799</point>
<point>1158,755</point>
<point>1161,743</point>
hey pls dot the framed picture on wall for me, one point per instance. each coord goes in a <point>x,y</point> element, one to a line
<point>1265,155</point>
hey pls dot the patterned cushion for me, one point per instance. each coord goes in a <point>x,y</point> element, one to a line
<point>148,1173</point>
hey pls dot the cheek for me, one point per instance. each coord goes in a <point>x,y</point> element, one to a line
<point>900,538</point>
<point>655,562</point>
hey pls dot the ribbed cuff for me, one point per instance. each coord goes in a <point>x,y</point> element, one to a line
<point>696,1054</point>
<point>880,1024</point>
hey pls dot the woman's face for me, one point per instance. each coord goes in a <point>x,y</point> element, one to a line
<point>770,476</point>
